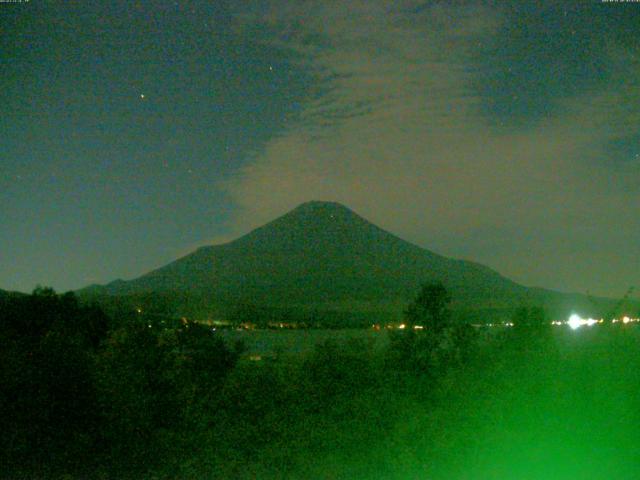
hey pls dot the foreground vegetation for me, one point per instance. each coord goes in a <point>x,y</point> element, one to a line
<point>88,396</point>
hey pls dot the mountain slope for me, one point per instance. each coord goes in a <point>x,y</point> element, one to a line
<point>5,294</point>
<point>320,255</point>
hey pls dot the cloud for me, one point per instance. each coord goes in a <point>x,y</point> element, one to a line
<point>400,135</point>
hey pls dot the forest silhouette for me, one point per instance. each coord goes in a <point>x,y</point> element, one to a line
<point>90,395</point>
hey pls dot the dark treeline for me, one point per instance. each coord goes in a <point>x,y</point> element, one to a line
<point>85,395</point>
<point>140,395</point>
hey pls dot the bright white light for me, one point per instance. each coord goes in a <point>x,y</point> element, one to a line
<point>575,321</point>
<point>626,320</point>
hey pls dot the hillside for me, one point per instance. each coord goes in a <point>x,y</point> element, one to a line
<point>320,256</point>
<point>5,294</point>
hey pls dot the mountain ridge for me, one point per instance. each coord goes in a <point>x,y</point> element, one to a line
<point>317,256</point>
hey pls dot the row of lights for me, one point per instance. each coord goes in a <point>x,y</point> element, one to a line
<point>575,321</point>
<point>391,326</point>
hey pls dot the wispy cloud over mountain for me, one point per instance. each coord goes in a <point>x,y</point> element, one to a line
<point>406,118</point>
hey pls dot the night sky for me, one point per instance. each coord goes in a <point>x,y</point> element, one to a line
<point>503,132</point>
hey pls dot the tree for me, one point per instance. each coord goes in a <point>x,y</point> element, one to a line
<point>47,400</point>
<point>441,345</point>
<point>531,317</point>
<point>430,308</point>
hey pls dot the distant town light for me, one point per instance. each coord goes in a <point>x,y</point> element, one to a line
<point>575,321</point>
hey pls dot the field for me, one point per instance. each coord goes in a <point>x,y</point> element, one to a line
<point>566,406</point>
<point>566,409</point>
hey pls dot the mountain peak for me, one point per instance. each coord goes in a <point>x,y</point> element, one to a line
<point>318,207</point>
<point>321,204</point>
<point>313,222</point>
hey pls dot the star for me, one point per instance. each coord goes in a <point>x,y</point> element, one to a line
<point>142,96</point>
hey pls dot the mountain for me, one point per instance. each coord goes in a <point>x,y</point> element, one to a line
<point>4,294</point>
<point>319,257</point>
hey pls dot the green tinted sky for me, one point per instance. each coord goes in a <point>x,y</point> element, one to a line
<point>504,132</point>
